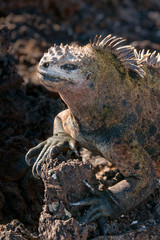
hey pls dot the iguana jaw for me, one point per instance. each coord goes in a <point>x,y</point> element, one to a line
<point>45,77</point>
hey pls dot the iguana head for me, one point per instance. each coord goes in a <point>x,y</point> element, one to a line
<point>73,65</point>
<point>63,65</point>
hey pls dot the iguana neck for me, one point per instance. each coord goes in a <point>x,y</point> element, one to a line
<point>91,108</point>
<point>80,104</point>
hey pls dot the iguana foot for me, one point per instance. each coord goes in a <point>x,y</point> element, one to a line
<point>102,205</point>
<point>53,146</point>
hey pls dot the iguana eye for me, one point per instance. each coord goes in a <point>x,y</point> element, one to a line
<point>46,64</point>
<point>69,67</point>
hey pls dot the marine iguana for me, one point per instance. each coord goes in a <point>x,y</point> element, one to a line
<point>113,96</point>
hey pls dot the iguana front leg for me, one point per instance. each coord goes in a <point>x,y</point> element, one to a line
<point>140,181</point>
<point>60,141</point>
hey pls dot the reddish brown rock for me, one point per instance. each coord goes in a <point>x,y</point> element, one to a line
<point>16,231</point>
<point>63,185</point>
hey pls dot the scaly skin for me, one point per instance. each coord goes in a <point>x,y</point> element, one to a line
<point>113,110</point>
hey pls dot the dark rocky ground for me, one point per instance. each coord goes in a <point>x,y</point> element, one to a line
<point>30,209</point>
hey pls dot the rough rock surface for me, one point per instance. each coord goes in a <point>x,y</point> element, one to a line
<point>57,220</point>
<point>16,230</point>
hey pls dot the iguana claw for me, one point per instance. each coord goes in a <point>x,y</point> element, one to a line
<point>52,146</point>
<point>100,205</point>
<point>34,151</point>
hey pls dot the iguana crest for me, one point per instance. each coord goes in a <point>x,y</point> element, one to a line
<point>148,58</point>
<point>125,53</point>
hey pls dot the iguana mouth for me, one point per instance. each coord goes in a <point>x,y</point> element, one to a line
<point>47,77</point>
